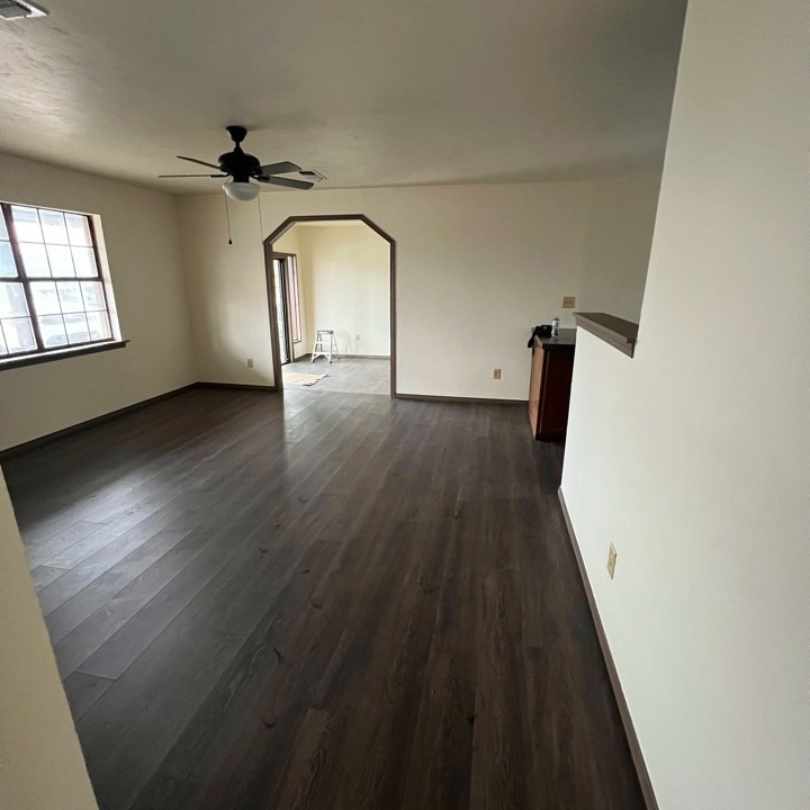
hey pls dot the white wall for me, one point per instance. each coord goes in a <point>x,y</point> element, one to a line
<point>477,266</point>
<point>692,457</point>
<point>346,286</point>
<point>41,763</point>
<point>140,232</point>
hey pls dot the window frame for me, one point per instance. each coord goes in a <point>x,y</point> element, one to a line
<point>43,353</point>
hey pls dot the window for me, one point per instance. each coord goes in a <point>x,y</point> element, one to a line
<point>52,294</point>
<point>294,299</point>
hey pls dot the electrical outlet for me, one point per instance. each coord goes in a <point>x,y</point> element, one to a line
<point>569,301</point>
<point>496,374</point>
<point>250,362</point>
<point>612,555</point>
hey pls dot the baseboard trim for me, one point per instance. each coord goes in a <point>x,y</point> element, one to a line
<point>24,447</point>
<point>630,732</point>
<point>462,400</point>
<point>236,386</point>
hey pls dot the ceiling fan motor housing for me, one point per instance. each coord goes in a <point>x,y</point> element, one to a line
<point>240,165</point>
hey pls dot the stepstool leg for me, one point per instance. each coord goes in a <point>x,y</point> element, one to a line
<point>317,349</point>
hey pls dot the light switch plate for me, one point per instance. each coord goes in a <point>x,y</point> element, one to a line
<point>569,301</point>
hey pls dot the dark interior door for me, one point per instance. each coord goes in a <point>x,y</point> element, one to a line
<point>282,315</point>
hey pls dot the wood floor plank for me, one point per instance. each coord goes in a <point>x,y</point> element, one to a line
<point>40,552</point>
<point>43,575</point>
<point>83,691</point>
<point>76,647</point>
<point>321,600</point>
<point>69,615</point>
<point>111,553</point>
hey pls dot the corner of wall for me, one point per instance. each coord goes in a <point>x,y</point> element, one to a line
<point>184,259</point>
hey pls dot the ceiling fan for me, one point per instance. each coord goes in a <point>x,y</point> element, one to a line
<point>246,172</point>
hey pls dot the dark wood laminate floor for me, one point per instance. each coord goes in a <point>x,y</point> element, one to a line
<point>320,601</point>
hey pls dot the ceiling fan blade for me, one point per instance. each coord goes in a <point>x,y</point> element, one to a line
<point>285,167</point>
<point>192,175</point>
<point>285,181</point>
<point>201,162</point>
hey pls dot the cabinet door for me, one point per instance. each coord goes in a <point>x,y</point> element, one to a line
<point>555,392</point>
<point>535,386</point>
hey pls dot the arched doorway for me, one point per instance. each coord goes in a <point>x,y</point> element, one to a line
<point>270,254</point>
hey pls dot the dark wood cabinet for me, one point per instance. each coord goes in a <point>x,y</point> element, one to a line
<point>550,385</point>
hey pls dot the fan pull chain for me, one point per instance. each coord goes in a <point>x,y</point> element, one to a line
<point>228,218</point>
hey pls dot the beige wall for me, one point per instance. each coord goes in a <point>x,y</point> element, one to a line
<point>692,457</point>
<point>41,763</point>
<point>346,286</point>
<point>141,237</point>
<point>477,266</point>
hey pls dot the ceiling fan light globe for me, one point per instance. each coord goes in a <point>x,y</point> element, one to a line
<point>242,192</point>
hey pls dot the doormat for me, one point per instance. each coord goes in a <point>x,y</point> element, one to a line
<point>293,378</point>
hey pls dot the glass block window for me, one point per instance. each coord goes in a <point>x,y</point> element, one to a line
<point>52,293</point>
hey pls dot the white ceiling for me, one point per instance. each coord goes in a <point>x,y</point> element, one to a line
<point>371,92</point>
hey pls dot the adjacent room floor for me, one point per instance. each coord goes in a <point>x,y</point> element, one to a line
<point>265,601</point>
<point>349,375</point>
